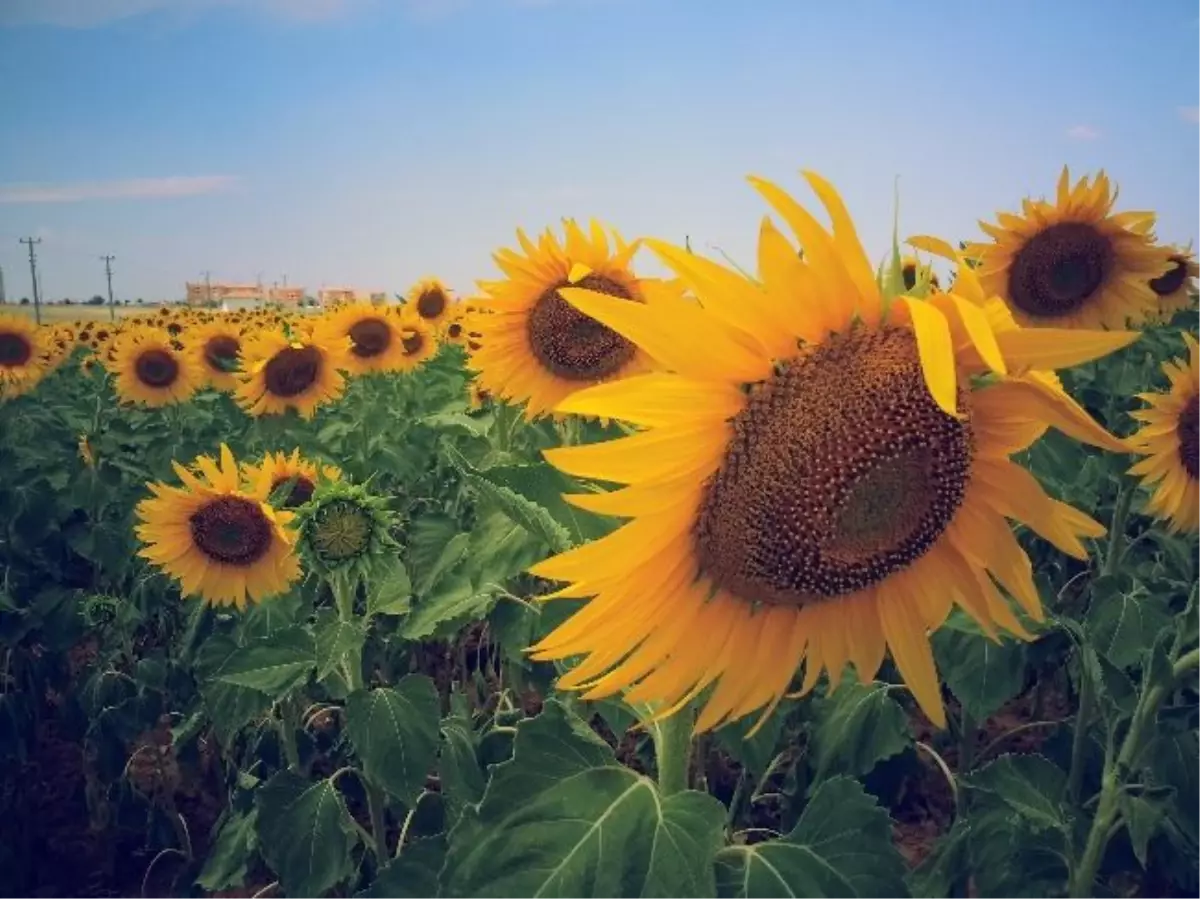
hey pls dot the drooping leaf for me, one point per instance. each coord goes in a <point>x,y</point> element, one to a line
<point>462,779</point>
<point>231,852</point>
<point>841,846</point>
<point>859,726</point>
<point>982,674</point>
<point>455,600</point>
<point>1031,786</point>
<point>305,833</point>
<point>337,640</point>
<point>394,730</point>
<point>414,874</point>
<point>390,590</point>
<point>273,664</point>
<point>229,706</point>
<point>1124,620</point>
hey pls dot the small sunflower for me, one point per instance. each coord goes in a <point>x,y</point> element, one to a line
<point>477,397</point>
<point>149,370</point>
<point>217,535</point>
<point>375,339</point>
<point>913,272</point>
<point>536,348</point>
<point>279,469</point>
<point>215,346</point>
<point>430,299</point>
<point>418,342</point>
<point>1073,263</point>
<point>22,355</point>
<point>455,331</point>
<point>343,529</point>
<point>300,371</point>
<point>1176,290</point>
<point>1168,439</point>
<point>821,477</point>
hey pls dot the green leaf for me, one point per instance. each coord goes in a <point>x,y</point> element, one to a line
<point>305,833</point>
<point>456,598</point>
<point>1172,759</point>
<point>390,591</point>
<point>452,553</point>
<point>948,867</point>
<point>1030,786</point>
<point>982,674</point>
<point>229,706</point>
<point>528,514</point>
<point>1144,816</point>
<point>230,855</point>
<point>841,846</point>
<point>1123,620</point>
<point>859,726</point>
<point>274,664</point>
<point>462,779</point>
<point>335,640</point>
<point>563,818</point>
<point>394,730</point>
<point>756,753</point>
<point>414,874</point>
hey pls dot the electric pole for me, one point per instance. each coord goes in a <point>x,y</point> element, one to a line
<point>3,297</point>
<point>37,299</point>
<point>112,310</point>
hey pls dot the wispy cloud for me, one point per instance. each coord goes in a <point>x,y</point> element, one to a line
<point>1190,113</point>
<point>1083,132</point>
<point>130,189</point>
<point>94,13</point>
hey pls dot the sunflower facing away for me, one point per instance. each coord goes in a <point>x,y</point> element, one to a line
<point>374,333</point>
<point>217,535</point>
<point>1175,290</point>
<point>821,477</point>
<point>1168,439</point>
<point>149,370</point>
<point>278,469</point>
<point>430,299</point>
<point>300,371</point>
<point>1073,263</point>
<point>215,346</point>
<point>535,347</point>
<point>22,351</point>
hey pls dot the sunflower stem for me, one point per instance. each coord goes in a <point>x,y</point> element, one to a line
<point>343,596</point>
<point>1104,824</point>
<point>673,751</point>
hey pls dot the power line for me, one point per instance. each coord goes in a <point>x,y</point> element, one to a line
<point>112,309</point>
<point>33,274</point>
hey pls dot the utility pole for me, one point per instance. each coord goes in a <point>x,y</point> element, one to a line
<point>37,299</point>
<point>112,310</point>
<point>3,297</point>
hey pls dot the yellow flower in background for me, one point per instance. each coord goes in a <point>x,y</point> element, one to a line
<point>1168,439</point>
<point>821,477</point>
<point>430,299</point>
<point>374,333</point>
<point>1176,289</point>
<point>148,370</point>
<point>278,469</point>
<point>218,536</point>
<point>22,355</point>
<point>536,348</point>
<point>215,346</point>
<point>300,372</point>
<point>418,341</point>
<point>1073,263</point>
<point>912,270</point>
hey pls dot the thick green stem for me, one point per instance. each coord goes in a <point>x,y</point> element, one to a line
<point>673,751</point>
<point>376,807</point>
<point>1083,878</point>
<point>287,733</point>
<point>1116,530</point>
<point>343,597</point>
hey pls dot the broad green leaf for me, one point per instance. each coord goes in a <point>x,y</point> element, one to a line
<point>500,548</point>
<point>266,618</point>
<point>528,514</point>
<point>859,726</point>
<point>412,875</point>
<point>231,852</point>
<point>394,730</point>
<point>229,706</point>
<point>841,846</point>
<point>455,599</point>
<point>337,639</point>
<point>1123,621</point>
<point>563,818</point>
<point>390,591</point>
<point>1172,759</point>
<point>1144,815</point>
<point>1028,785</point>
<point>305,833</point>
<point>756,753</point>
<point>274,664</point>
<point>452,553</point>
<point>982,674</point>
<point>947,868</point>
<point>462,779</point>
<point>1011,857</point>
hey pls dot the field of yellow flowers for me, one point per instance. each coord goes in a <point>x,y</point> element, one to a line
<point>836,578</point>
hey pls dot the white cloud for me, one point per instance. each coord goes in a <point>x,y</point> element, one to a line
<point>93,13</point>
<point>1190,114</point>
<point>1082,132</point>
<point>129,189</point>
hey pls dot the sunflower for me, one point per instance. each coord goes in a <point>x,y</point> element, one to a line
<point>344,530</point>
<point>149,370</point>
<point>536,348</point>
<point>279,469</point>
<point>1073,263</point>
<point>912,272</point>
<point>374,333</point>
<point>217,535</point>
<point>300,371</point>
<point>822,475</point>
<point>1168,439</point>
<point>418,342</point>
<point>215,346</point>
<point>430,299</point>
<point>22,355</point>
<point>1176,290</point>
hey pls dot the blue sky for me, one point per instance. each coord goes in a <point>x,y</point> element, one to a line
<point>372,142</point>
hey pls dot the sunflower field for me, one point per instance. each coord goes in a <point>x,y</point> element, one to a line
<point>836,577</point>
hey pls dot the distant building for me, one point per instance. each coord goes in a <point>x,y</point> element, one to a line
<point>231,295</point>
<point>327,296</point>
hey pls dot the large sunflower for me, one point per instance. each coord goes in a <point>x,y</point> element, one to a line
<point>215,346</point>
<point>22,355</point>
<point>217,535</point>
<point>430,299</point>
<point>536,348</point>
<point>821,477</point>
<point>1176,289</point>
<point>278,469</point>
<point>298,371</point>
<point>1168,440</point>
<point>374,333</point>
<point>1073,263</point>
<point>148,369</point>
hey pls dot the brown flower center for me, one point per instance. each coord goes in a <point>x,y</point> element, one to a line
<point>370,337</point>
<point>412,342</point>
<point>1059,269</point>
<point>232,530</point>
<point>431,303</point>
<point>454,331</point>
<point>221,352</point>
<point>841,471</point>
<point>572,345</point>
<point>292,371</point>
<point>908,272</point>
<point>1189,441</point>
<point>156,368</point>
<point>15,349</point>
<point>1166,284</point>
<point>301,492</point>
